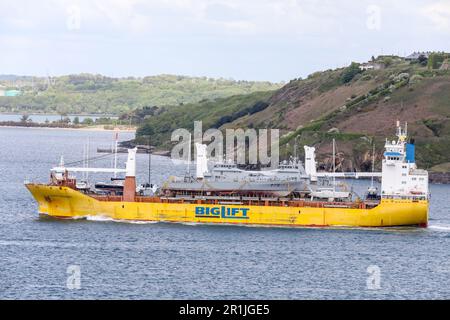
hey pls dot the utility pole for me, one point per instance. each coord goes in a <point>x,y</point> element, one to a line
<point>149,162</point>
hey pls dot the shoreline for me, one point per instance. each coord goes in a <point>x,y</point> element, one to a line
<point>97,115</point>
<point>91,128</point>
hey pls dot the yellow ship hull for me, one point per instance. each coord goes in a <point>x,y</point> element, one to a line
<point>64,202</point>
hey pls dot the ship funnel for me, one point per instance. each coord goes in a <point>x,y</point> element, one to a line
<point>310,163</point>
<point>129,186</point>
<point>202,160</point>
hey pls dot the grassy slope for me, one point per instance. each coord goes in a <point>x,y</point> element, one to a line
<point>209,112</point>
<point>363,110</point>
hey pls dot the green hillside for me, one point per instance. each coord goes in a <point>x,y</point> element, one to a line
<point>212,113</point>
<point>87,93</point>
<point>354,106</point>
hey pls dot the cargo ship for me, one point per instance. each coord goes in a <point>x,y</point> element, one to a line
<point>403,200</point>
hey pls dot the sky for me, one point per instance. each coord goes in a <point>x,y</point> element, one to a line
<point>240,39</point>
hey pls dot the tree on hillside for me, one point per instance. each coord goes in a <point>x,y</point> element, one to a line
<point>88,121</point>
<point>145,130</point>
<point>435,60</point>
<point>350,72</point>
<point>423,60</point>
<point>388,61</point>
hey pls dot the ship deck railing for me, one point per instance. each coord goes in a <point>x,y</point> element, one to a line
<point>265,202</point>
<point>403,197</point>
<point>242,200</point>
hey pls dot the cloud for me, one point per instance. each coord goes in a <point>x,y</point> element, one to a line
<point>439,14</point>
<point>181,16</point>
<point>265,39</point>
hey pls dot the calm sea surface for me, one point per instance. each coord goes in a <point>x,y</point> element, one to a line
<point>176,261</point>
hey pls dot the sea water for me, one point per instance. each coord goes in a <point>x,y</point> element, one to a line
<point>44,258</point>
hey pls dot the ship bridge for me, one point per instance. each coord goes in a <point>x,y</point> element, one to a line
<point>400,176</point>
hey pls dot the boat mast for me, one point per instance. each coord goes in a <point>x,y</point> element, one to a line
<point>373,164</point>
<point>87,157</point>
<point>149,162</point>
<point>334,165</point>
<point>84,162</point>
<point>189,156</point>
<point>115,153</point>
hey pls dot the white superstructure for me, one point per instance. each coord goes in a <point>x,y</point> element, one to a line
<point>310,163</point>
<point>202,161</point>
<point>400,176</point>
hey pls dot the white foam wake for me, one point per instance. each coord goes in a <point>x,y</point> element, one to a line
<point>99,218</point>
<point>109,219</point>
<point>136,221</point>
<point>440,227</point>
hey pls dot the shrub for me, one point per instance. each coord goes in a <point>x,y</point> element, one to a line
<point>88,121</point>
<point>350,72</point>
<point>416,79</point>
<point>435,60</point>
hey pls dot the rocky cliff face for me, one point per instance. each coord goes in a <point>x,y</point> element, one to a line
<point>440,177</point>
